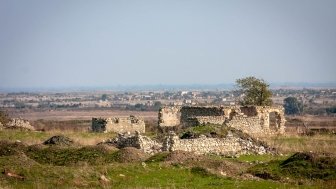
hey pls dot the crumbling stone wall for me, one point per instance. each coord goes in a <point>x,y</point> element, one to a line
<point>231,145</point>
<point>256,119</point>
<point>201,115</point>
<point>202,120</point>
<point>169,116</point>
<point>118,124</point>
<point>137,141</point>
<point>249,110</point>
<point>264,116</point>
<point>250,119</point>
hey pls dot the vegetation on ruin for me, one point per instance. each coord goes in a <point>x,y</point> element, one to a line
<point>256,91</point>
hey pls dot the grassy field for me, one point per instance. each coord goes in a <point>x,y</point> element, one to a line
<point>325,143</point>
<point>88,166</point>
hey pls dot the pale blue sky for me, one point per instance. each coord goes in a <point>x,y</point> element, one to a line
<point>64,43</point>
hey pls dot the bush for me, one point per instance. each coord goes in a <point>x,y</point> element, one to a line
<point>4,118</point>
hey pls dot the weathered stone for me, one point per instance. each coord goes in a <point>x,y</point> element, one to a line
<point>17,123</point>
<point>118,124</point>
<point>169,116</point>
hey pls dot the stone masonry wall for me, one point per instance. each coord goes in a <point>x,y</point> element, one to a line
<point>231,145</point>
<point>169,116</point>
<point>202,120</point>
<point>246,124</point>
<point>138,141</point>
<point>201,115</point>
<point>120,125</point>
<point>250,119</point>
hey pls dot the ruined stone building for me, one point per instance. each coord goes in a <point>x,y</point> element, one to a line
<point>118,124</point>
<point>249,119</point>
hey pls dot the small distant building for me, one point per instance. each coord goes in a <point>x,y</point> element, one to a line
<point>129,124</point>
<point>187,101</point>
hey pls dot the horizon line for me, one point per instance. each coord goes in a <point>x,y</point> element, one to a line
<point>139,87</point>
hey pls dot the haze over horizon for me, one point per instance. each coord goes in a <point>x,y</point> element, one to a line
<point>46,43</point>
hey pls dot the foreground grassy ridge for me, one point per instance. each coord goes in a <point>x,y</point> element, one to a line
<point>83,166</point>
<point>300,166</point>
<point>121,175</point>
<point>59,167</point>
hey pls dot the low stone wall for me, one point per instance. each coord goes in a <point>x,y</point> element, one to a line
<point>228,146</point>
<point>231,145</point>
<point>119,125</point>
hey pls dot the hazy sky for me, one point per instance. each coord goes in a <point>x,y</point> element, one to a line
<point>64,43</point>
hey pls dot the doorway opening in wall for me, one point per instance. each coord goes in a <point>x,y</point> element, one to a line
<point>274,121</point>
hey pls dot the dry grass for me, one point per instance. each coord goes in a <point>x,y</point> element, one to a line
<point>83,138</point>
<point>38,137</point>
<point>290,144</point>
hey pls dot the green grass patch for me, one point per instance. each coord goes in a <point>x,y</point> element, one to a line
<point>159,157</point>
<point>71,156</point>
<point>298,166</point>
<point>260,158</point>
<point>201,171</point>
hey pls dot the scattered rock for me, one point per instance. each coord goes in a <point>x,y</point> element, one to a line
<point>103,178</point>
<point>223,173</point>
<point>12,175</point>
<point>59,140</point>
